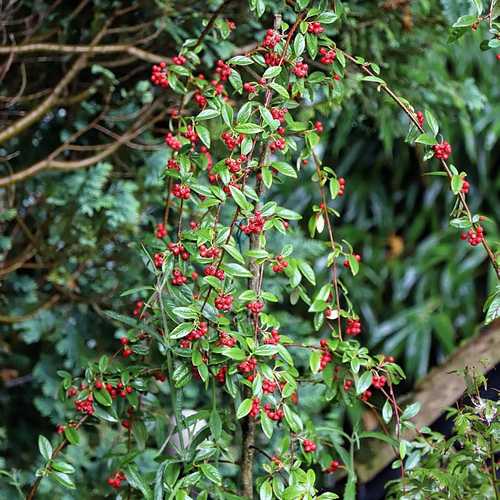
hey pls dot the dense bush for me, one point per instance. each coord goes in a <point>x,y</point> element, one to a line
<point>80,225</point>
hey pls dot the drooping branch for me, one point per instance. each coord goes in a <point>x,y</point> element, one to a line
<point>83,49</point>
<point>412,116</point>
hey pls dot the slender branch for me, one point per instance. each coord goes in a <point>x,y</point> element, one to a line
<point>83,49</point>
<point>445,166</point>
<point>34,487</point>
<point>25,317</point>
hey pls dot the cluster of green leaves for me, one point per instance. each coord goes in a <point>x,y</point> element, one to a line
<point>463,465</point>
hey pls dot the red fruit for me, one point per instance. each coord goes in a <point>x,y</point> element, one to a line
<point>172,142</point>
<point>301,69</point>
<point>98,384</point>
<point>255,224</point>
<point>274,339</point>
<point>353,327</point>
<point>319,127</point>
<point>328,56</point>
<point>309,446</point>
<point>442,151</point>
<point>159,75</point>
<point>271,39</point>
<point>315,28</point>
<point>334,465</point>
<point>420,118</point>
<point>347,384</point>
<point>254,411</point>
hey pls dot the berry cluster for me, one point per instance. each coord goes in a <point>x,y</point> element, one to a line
<point>181,191</point>
<point>173,165</point>
<point>116,480</point>
<point>159,75</point>
<point>465,187</point>
<point>247,366</point>
<point>301,69</point>
<point>180,60</point>
<point>85,405</point>
<point>274,339</point>
<point>178,279</point>
<point>272,59</point>
<point>199,332</point>
<point>234,165</point>
<point>226,340</point>
<point>347,384</point>
<point>280,265</point>
<point>255,224</point>
<point>231,141</point>
<point>127,351</point>
<point>249,88</point>
<point>200,99</point>
<point>333,467</point>
<point>473,237</point>
<point>223,70</point>
<point>353,327</point>
<point>442,151</point>
<point>158,259</point>
<point>191,135</point>
<point>172,142</point>
<point>209,253</point>
<point>318,126</point>
<point>213,271</point>
<point>277,414</point>
<point>268,386</point>
<point>255,307</point>
<point>366,395</point>
<point>220,376</point>
<point>315,28</point>
<point>420,118</point>
<point>326,355</point>
<point>177,249</point>
<point>138,308</point>
<point>271,39</point>
<point>119,390</point>
<point>309,446</point>
<point>341,186</point>
<point>160,231</point>
<point>278,144</point>
<point>254,410</point>
<point>378,382</point>
<point>224,302</point>
<point>327,56</point>
<point>279,113</point>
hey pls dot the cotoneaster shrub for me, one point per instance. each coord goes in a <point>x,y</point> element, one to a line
<point>209,320</point>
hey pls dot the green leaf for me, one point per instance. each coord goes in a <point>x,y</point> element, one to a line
<point>465,21</point>
<point>63,479</point>
<point>299,44</point>
<point>426,139</point>
<point>292,419</point>
<point>244,408</point>
<point>307,271</point>
<point>137,481</point>
<point>234,253</point>
<point>279,89</point>
<point>207,114</point>
<point>363,382</point>
<point>204,135</point>
<point>314,360</point>
<point>62,467</point>
<point>185,312</point>
<point>248,128</point>
<point>45,447</point>
<point>285,169</point>
<point>327,17</point>
<point>431,122</point>
<point>181,330</point>
<point>411,410</point>
<point>211,473</point>
<point>240,61</point>
<point>457,182</point>
<point>236,270</point>
<point>374,79</point>
<point>271,72</point>
<point>71,434</point>
<point>266,491</point>
<point>387,411</point>
<point>240,198</point>
<point>353,264</point>
<point>102,397</point>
